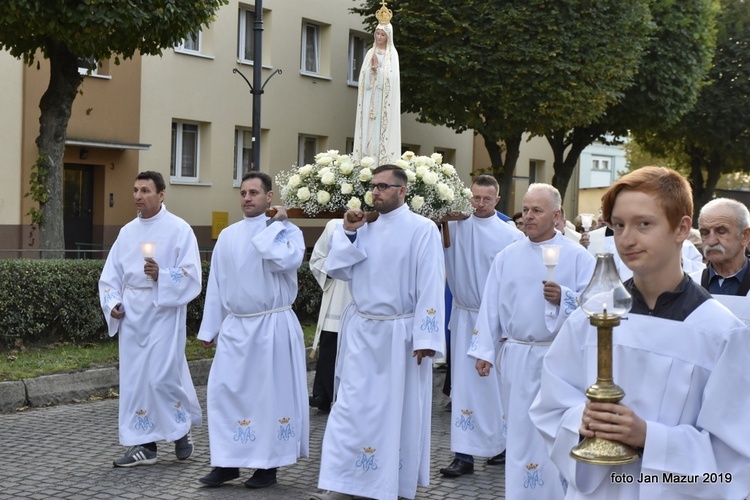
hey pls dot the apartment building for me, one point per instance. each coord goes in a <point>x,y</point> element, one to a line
<point>188,116</point>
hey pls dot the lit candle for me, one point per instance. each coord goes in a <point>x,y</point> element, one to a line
<point>604,306</point>
<point>550,257</point>
<point>586,221</point>
<point>148,249</point>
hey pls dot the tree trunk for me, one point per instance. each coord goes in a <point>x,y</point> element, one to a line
<point>503,170</point>
<point>564,165</point>
<point>56,105</point>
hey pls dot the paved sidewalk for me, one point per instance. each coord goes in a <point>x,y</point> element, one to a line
<point>66,452</point>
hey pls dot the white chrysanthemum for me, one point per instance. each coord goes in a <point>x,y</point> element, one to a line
<point>368,198</point>
<point>437,157</point>
<point>328,178</point>
<point>417,202</point>
<point>323,197</point>
<point>346,188</point>
<point>365,175</point>
<point>354,203</point>
<point>367,161</point>
<point>305,171</point>
<point>430,178</point>
<point>303,194</point>
<point>294,181</point>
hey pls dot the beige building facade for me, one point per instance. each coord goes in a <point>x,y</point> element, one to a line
<point>188,116</point>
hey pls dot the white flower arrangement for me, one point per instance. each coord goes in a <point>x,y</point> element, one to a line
<point>337,182</point>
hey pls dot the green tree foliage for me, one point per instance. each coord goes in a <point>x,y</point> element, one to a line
<point>505,67</point>
<point>64,31</point>
<point>715,134</point>
<point>669,78</point>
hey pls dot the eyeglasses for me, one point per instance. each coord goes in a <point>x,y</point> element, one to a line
<point>382,186</point>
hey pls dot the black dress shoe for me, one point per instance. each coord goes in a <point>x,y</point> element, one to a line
<point>458,468</point>
<point>262,478</point>
<point>497,459</point>
<point>220,475</point>
<point>317,402</point>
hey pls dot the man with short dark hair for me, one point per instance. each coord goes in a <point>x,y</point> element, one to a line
<point>475,401</point>
<point>152,272</point>
<point>257,389</point>
<point>377,439</point>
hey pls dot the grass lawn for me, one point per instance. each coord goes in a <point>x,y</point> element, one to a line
<point>32,361</point>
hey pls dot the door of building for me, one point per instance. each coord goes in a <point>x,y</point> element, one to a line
<point>78,210</point>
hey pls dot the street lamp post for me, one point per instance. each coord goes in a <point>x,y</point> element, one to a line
<point>256,89</point>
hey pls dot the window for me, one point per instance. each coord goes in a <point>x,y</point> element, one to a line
<point>536,171</point>
<point>87,66</point>
<point>349,145</point>
<point>307,149</point>
<point>357,52</point>
<point>600,163</point>
<point>192,43</point>
<point>243,154</point>
<point>185,140</point>
<point>310,48</point>
<point>246,35</point>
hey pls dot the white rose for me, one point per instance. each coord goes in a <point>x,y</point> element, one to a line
<point>417,202</point>
<point>343,158</point>
<point>354,203</point>
<point>367,161</point>
<point>305,171</point>
<point>430,178</point>
<point>303,194</point>
<point>346,188</point>
<point>411,176</point>
<point>325,160</point>
<point>448,169</point>
<point>467,193</point>
<point>421,160</point>
<point>365,175</point>
<point>402,164</point>
<point>328,178</point>
<point>323,197</point>
<point>323,171</point>
<point>421,170</point>
<point>442,190</point>
<point>368,198</point>
<point>346,167</point>
<point>333,153</point>
<point>437,157</point>
<point>294,181</point>
<point>408,155</point>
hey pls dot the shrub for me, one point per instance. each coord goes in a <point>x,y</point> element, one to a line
<point>58,300</point>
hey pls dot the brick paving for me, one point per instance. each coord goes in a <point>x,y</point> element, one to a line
<point>66,452</point>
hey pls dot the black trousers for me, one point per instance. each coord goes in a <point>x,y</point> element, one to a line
<point>323,381</point>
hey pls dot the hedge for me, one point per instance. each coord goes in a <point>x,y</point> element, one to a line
<point>58,300</point>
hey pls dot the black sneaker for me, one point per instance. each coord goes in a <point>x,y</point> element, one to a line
<point>262,478</point>
<point>136,455</point>
<point>220,475</point>
<point>183,447</point>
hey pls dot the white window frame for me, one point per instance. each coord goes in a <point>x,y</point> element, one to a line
<point>194,37</point>
<point>242,33</point>
<point>353,68</point>
<point>88,66</point>
<point>601,163</point>
<point>176,166</point>
<point>303,138</point>
<point>316,48</point>
<point>240,145</point>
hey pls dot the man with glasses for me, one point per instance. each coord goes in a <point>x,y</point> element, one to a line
<point>377,440</point>
<point>475,400</point>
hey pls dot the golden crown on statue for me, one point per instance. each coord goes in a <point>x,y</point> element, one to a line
<point>384,14</point>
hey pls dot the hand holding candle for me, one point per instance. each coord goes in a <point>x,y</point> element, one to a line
<point>586,221</point>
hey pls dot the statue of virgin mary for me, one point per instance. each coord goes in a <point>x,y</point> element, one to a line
<point>377,131</point>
